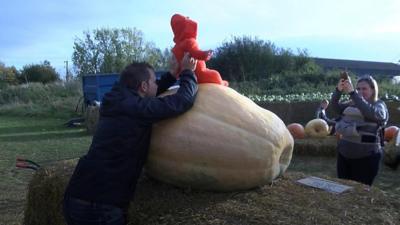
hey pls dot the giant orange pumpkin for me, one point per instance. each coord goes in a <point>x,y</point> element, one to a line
<point>296,130</point>
<point>225,142</point>
<point>390,132</point>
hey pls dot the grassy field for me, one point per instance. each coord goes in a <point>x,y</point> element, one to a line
<point>46,140</point>
<point>40,140</point>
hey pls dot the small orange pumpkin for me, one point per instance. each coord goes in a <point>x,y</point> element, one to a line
<point>390,132</point>
<point>296,130</point>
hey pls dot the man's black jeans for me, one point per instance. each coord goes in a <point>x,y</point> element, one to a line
<point>80,212</point>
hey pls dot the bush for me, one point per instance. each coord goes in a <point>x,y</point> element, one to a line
<point>249,59</point>
<point>284,84</point>
<point>43,73</point>
<point>387,89</point>
<point>8,75</point>
<point>289,83</point>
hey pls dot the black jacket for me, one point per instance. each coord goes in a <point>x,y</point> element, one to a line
<point>108,173</point>
<point>321,114</point>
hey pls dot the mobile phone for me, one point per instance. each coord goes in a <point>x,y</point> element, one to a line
<point>344,76</point>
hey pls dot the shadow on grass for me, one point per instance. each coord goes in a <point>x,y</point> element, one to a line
<point>43,136</point>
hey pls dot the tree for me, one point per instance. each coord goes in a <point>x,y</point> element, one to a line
<point>246,58</point>
<point>162,61</point>
<point>8,75</point>
<point>110,50</point>
<point>43,73</point>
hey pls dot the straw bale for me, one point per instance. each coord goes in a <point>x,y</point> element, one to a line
<point>282,202</point>
<point>91,118</point>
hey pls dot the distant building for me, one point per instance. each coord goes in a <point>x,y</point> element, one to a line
<point>360,67</point>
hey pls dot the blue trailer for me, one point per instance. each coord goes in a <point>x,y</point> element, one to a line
<point>94,86</point>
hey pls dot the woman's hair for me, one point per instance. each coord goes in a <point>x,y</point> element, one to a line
<point>372,84</point>
<point>134,74</point>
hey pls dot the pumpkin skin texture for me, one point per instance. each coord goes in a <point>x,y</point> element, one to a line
<point>225,142</point>
<point>297,130</point>
<point>317,128</point>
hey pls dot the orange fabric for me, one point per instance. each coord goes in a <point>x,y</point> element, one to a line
<point>185,34</point>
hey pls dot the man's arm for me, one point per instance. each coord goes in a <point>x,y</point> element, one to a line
<point>166,81</point>
<point>153,109</point>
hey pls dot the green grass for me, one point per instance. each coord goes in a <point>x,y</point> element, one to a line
<point>42,140</point>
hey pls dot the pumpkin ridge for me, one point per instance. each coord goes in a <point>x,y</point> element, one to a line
<point>247,131</point>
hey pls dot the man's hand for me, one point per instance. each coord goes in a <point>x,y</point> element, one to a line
<point>188,62</point>
<point>173,66</point>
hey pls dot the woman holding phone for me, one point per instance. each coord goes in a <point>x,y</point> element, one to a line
<point>359,151</point>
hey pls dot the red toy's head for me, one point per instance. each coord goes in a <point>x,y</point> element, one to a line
<point>183,28</point>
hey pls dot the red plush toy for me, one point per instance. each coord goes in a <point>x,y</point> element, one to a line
<point>185,33</point>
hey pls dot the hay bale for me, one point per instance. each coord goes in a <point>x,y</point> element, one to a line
<point>316,146</point>
<point>46,190</point>
<point>92,117</point>
<point>283,202</point>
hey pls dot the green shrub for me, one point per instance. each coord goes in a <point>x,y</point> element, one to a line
<point>8,75</point>
<point>387,88</point>
<point>248,59</point>
<point>278,86</point>
<point>43,73</point>
<point>303,85</point>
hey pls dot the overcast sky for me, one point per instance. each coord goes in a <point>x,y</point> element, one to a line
<point>36,30</point>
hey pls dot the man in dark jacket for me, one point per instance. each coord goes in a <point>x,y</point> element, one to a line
<point>104,180</point>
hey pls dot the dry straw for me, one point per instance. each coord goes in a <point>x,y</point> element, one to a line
<point>282,202</point>
<point>91,118</point>
<point>316,146</point>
